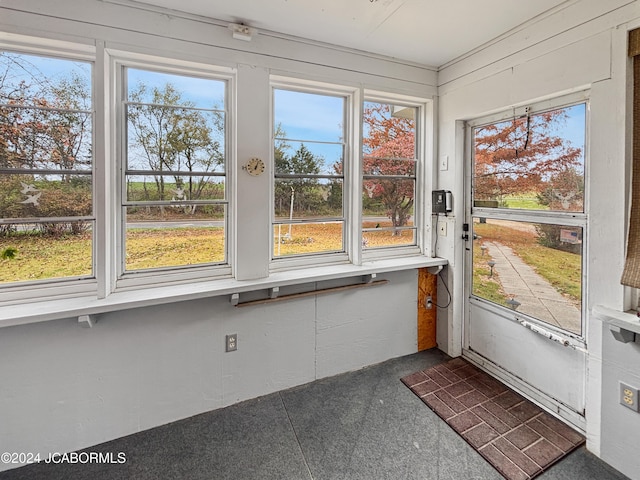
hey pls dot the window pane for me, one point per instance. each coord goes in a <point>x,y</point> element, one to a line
<point>144,188</point>
<point>159,237</point>
<point>45,139</point>
<point>306,238</point>
<point>312,198</point>
<point>29,196</point>
<point>174,139</point>
<point>534,162</point>
<point>309,116</point>
<point>175,142</point>
<point>384,166</point>
<point>378,232</point>
<point>533,268</point>
<point>45,251</point>
<point>308,143</point>
<point>388,202</point>
<point>309,158</point>
<point>389,131</point>
<point>172,89</point>
<point>389,170</point>
<point>46,180</point>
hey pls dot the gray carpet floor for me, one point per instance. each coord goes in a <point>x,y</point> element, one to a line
<point>360,425</point>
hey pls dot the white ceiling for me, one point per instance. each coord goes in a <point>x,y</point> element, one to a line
<point>428,32</point>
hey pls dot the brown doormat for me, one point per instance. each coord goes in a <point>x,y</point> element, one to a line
<point>515,436</point>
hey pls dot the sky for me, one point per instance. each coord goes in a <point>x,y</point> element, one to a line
<point>303,116</point>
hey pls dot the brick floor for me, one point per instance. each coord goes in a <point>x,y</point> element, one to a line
<point>515,436</point>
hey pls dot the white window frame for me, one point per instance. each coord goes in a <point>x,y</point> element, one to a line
<point>106,291</point>
<point>424,158</point>
<point>26,291</point>
<point>178,274</point>
<point>352,97</point>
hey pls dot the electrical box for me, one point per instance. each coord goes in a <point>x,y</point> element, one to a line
<point>441,201</point>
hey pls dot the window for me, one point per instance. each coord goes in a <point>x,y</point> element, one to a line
<point>46,168</point>
<point>174,190</point>
<point>124,180</point>
<point>528,195</point>
<point>390,158</point>
<point>310,158</point>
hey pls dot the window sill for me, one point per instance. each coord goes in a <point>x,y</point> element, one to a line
<point>34,312</point>
<point>624,326</point>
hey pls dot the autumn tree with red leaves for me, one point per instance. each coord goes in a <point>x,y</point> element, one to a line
<point>389,161</point>
<point>526,155</point>
<point>45,127</point>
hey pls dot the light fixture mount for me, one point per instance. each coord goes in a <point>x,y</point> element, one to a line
<point>240,31</point>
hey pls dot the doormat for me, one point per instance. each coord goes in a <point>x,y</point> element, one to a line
<point>517,437</point>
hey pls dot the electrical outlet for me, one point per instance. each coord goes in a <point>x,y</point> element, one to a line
<point>442,229</point>
<point>629,396</point>
<point>428,302</point>
<point>231,342</point>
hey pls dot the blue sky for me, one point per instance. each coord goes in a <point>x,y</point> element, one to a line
<point>51,69</point>
<point>303,116</point>
<point>203,92</point>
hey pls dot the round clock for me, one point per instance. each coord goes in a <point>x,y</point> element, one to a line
<point>255,167</point>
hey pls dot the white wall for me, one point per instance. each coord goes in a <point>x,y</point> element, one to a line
<point>64,387</point>
<point>582,45</point>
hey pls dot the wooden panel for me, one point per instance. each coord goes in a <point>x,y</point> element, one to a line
<point>427,286</point>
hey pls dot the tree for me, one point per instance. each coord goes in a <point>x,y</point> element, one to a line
<point>153,119</point>
<point>171,135</point>
<point>389,149</point>
<point>521,155</point>
<point>45,125</point>
<point>308,193</point>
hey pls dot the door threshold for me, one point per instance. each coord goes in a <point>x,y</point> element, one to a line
<point>568,415</point>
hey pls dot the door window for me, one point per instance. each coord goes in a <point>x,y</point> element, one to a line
<point>528,214</point>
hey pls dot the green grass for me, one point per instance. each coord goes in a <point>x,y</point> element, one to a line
<point>170,247</point>
<point>488,288</point>
<point>562,269</point>
<point>41,257</point>
<point>529,202</point>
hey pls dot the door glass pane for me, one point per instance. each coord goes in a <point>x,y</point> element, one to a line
<point>532,268</point>
<point>535,162</point>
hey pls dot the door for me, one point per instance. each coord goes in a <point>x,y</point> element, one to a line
<point>525,249</point>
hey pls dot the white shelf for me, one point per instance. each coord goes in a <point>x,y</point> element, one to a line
<point>625,326</point>
<point>85,307</point>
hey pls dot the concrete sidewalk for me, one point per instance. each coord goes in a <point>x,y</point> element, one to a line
<point>537,297</point>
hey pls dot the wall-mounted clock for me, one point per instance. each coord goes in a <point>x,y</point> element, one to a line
<point>254,166</point>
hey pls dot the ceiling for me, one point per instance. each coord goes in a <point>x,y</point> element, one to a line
<point>428,32</point>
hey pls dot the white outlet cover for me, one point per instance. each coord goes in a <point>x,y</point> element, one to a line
<point>444,162</point>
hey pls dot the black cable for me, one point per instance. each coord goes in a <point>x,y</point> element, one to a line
<point>448,292</point>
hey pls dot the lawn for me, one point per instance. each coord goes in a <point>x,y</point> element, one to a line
<point>39,257</point>
<point>524,203</point>
<point>562,269</point>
